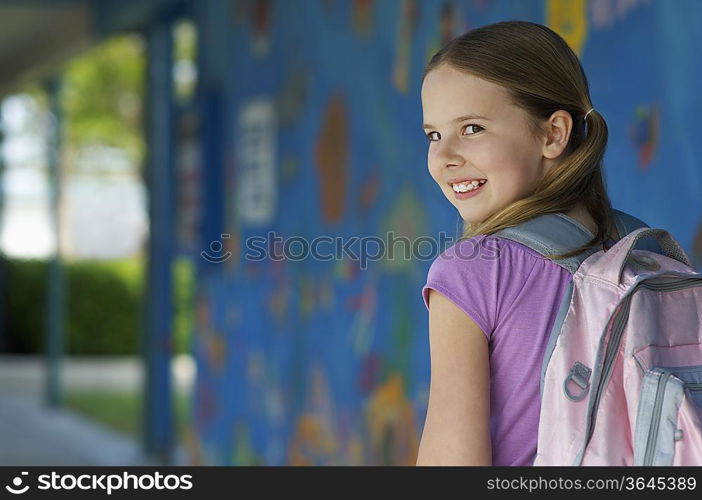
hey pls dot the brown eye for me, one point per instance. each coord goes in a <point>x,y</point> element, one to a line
<point>429,136</point>
<point>473,125</point>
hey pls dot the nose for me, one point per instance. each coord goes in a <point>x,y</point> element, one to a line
<point>447,154</point>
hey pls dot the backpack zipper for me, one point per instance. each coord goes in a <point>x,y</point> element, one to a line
<point>669,284</point>
<point>656,417</point>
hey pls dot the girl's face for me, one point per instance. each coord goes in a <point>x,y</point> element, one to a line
<point>477,134</point>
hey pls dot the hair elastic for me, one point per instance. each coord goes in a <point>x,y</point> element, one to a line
<point>585,117</point>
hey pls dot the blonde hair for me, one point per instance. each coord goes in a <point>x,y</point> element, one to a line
<point>541,74</point>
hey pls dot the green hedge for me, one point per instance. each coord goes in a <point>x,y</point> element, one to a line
<point>103,305</point>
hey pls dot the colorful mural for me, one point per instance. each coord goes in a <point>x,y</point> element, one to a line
<point>310,362</point>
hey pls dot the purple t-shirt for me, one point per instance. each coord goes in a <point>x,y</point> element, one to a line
<point>513,294</point>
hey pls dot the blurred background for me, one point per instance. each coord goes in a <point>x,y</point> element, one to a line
<point>143,141</point>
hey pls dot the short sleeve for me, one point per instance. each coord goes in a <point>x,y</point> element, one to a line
<point>461,275</point>
<point>482,276</point>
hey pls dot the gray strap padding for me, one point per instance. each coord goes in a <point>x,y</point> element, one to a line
<point>627,223</point>
<point>558,233</point>
<point>554,233</point>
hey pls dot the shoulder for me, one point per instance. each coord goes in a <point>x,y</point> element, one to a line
<point>481,274</point>
<point>482,255</point>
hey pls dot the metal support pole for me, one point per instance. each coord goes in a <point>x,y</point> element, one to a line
<point>158,414</point>
<point>3,261</point>
<point>54,345</point>
<point>212,26</point>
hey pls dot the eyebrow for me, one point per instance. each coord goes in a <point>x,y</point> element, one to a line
<point>469,116</point>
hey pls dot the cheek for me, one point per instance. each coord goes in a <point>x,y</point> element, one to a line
<point>513,181</point>
<point>430,159</point>
<point>437,179</point>
<point>434,169</point>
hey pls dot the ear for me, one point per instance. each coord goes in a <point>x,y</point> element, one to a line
<point>558,128</point>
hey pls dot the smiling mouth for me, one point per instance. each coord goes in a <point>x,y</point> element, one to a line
<point>469,193</point>
<point>467,186</point>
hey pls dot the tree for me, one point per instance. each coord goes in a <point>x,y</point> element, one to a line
<point>103,98</point>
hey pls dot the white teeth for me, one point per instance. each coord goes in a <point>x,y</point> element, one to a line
<point>462,188</point>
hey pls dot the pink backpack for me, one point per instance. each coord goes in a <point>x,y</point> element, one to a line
<point>621,382</point>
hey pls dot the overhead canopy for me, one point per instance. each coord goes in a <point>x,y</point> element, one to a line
<point>38,36</point>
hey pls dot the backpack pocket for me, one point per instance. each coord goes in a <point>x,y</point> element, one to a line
<point>692,377</point>
<point>694,391</point>
<point>679,360</point>
<point>656,428</point>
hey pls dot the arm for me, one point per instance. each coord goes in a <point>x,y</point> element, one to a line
<point>457,426</point>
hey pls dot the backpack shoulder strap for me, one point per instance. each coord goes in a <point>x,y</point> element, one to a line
<point>553,233</point>
<point>627,223</point>
<point>558,233</point>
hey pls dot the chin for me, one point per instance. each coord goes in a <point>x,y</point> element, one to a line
<point>471,218</point>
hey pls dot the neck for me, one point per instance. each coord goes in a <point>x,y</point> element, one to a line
<point>580,214</point>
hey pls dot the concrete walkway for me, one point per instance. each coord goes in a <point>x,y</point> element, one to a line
<point>33,434</point>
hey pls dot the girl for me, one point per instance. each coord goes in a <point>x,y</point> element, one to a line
<point>512,135</point>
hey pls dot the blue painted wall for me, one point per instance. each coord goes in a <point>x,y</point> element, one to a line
<point>322,362</point>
